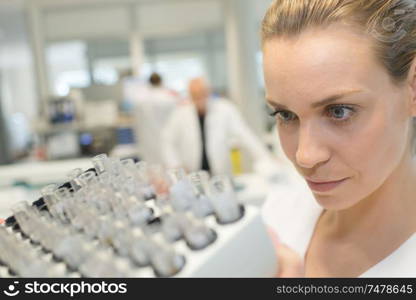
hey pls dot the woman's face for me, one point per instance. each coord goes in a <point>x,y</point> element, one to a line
<point>341,120</point>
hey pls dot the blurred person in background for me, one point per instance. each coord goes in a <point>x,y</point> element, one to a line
<point>153,107</point>
<point>199,134</point>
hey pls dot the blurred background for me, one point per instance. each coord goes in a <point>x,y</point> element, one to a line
<point>67,68</point>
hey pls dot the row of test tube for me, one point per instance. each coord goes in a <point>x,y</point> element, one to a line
<point>131,212</point>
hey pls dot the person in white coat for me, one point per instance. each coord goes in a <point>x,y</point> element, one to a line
<point>200,134</point>
<point>153,107</point>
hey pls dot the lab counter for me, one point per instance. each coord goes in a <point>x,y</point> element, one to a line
<point>40,173</point>
<point>22,181</point>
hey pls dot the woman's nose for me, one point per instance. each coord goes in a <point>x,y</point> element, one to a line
<point>311,149</point>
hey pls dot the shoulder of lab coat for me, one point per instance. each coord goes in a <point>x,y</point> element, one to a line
<point>181,111</point>
<point>243,133</point>
<point>265,162</point>
<point>172,131</point>
<point>222,105</point>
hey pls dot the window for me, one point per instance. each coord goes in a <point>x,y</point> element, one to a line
<point>178,69</point>
<point>107,70</point>
<point>67,66</point>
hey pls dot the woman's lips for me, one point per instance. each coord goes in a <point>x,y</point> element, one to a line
<point>324,186</point>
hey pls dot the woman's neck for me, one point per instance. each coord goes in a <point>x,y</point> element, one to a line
<point>390,209</point>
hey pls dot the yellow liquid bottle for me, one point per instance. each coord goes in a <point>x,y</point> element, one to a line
<point>236,161</point>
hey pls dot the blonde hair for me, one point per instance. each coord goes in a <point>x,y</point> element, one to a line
<point>390,23</point>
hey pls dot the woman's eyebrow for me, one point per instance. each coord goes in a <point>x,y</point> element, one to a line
<point>276,105</point>
<point>323,102</point>
<point>333,98</point>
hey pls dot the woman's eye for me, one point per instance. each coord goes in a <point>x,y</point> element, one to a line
<point>340,112</point>
<point>284,115</point>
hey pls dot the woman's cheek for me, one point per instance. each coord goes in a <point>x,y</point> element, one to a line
<point>370,153</point>
<point>288,143</point>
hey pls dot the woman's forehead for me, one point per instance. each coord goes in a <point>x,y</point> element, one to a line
<point>319,60</point>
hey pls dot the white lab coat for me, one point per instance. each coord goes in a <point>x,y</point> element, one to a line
<point>153,107</point>
<point>182,143</point>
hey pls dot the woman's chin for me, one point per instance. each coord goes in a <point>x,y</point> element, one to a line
<point>334,202</point>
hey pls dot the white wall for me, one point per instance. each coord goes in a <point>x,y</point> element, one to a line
<point>87,22</point>
<point>151,18</point>
<point>162,18</point>
<point>261,8</point>
<point>16,65</point>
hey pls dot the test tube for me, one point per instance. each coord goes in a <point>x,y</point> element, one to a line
<point>65,208</point>
<point>48,195</point>
<point>138,253</point>
<point>181,190</point>
<point>197,235</point>
<point>144,178</point>
<point>74,250</point>
<point>143,171</point>
<point>99,265</point>
<point>106,232</point>
<point>201,206</point>
<point>165,261</point>
<point>101,163</point>
<point>139,213</point>
<point>224,200</point>
<point>73,179</point>
<point>128,167</point>
<point>101,201</point>
<point>104,178</point>
<point>171,227</point>
<point>164,204</point>
<point>131,188</point>
<point>138,249</point>
<point>176,175</point>
<point>115,167</point>
<point>20,212</point>
<point>200,182</point>
<point>88,179</point>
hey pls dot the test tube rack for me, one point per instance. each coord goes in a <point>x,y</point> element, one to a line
<point>241,248</point>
